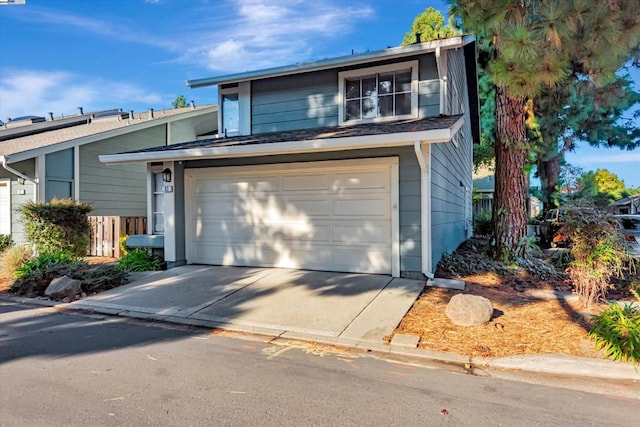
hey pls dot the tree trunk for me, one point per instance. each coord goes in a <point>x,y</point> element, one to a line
<point>549,173</point>
<point>509,207</point>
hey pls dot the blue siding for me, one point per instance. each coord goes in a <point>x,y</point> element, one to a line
<point>294,102</point>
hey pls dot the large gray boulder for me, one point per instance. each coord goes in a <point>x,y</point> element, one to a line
<point>63,288</point>
<point>469,310</point>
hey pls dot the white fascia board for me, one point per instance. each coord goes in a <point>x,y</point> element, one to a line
<point>342,61</point>
<point>25,155</point>
<point>289,147</point>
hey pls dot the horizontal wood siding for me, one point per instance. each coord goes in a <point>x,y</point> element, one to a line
<point>294,102</point>
<point>117,190</point>
<point>451,166</point>
<point>409,191</point>
<point>28,168</point>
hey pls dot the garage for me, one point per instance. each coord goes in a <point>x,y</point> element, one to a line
<point>333,215</point>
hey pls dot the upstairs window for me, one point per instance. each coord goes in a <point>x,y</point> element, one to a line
<point>388,92</point>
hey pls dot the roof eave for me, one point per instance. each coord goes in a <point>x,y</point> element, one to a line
<point>341,61</point>
<point>290,147</point>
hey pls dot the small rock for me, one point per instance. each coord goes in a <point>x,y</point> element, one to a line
<point>63,287</point>
<point>469,310</point>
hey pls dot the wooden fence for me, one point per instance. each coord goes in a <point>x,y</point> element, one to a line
<point>106,232</point>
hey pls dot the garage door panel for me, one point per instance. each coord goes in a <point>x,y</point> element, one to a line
<point>320,218</point>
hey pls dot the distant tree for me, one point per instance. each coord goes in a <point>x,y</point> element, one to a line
<point>602,186</point>
<point>180,102</point>
<point>430,25</point>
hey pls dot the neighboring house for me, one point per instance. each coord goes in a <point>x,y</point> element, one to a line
<point>484,185</point>
<point>41,159</point>
<point>359,164</point>
<point>627,206</point>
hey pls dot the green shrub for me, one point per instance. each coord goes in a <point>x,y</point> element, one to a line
<point>5,242</point>
<point>482,225</point>
<point>597,250</point>
<point>617,331</point>
<point>44,261</point>
<point>93,278</point>
<point>14,257</point>
<point>58,225</point>
<point>139,259</point>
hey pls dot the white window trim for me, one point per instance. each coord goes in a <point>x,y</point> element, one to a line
<point>381,69</point>
<point>244,108</point>
<point>151,226</point>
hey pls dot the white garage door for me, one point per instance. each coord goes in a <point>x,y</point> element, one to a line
<point>335,216</point>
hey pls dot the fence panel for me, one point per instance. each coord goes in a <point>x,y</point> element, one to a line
<point>106,232</point>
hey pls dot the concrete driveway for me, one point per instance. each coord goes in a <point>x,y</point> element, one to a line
<point>271,300</point>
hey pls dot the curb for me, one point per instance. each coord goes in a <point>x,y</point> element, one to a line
<point>549,364</point>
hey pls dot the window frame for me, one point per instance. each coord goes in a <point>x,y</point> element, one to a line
<point>243,91</point>
<point>376,70</point>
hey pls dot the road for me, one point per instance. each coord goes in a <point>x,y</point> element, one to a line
<point>79,370</point>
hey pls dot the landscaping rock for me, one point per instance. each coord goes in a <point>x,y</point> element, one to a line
<point>63,287</point>
<point>469,310</point>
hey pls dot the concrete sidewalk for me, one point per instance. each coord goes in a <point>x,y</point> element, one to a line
<point>272,301</point>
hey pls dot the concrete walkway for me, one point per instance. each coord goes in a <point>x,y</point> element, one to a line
<point>274,301</point>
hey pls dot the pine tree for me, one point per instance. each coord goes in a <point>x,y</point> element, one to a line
<point>532,46</point>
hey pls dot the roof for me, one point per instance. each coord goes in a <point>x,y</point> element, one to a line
<point>29,146</point>
<point>403,132</point>
<point>341,61</point>
<point>626,200</point>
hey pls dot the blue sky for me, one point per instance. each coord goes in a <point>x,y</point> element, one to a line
<point>135,54</point>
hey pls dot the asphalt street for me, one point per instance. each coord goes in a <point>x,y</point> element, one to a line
<point>89,370</point>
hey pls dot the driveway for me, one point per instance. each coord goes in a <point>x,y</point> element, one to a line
<point>271,300</point>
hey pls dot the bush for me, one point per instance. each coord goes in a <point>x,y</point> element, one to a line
<point>617,331</point>
<point>139,259</point>
<point>14,257</point>
<point>58,226</point>
<point>5,242</point>
<point>597,250</point>
<point>44,261</point>
<point>93,278</point>
<point>482,225</point>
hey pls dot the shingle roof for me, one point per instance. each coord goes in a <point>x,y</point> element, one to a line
<point>96,127</point>
<point>402,126</point>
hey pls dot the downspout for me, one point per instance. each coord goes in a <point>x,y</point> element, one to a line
<point>425,208</point>
<point>5,165</point>
<point>441,62</point>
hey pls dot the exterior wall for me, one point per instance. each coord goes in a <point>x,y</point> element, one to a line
<point>117,189</point>
<point>59,175</point>
<point>310,100</point>
<point>188,129</point>
<point>409,189</point>
<point>17,199</point>
<point>451,170</point>
<point>294,102</point>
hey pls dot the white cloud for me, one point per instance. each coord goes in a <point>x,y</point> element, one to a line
<point>34,92</point>
<point>259,33</point>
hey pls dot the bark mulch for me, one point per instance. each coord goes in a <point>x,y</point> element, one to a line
<point>526,320</point>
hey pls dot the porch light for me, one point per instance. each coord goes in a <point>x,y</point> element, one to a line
<point>166,175</point>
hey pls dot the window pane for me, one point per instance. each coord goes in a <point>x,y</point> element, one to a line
<point>353,110</point>
<point>158,202</point>
<point>386,106</point>
<point>369,86</point>
<point>403,81</point>
<point>403,104</point>
<point>370,107</point>
<point>385,83</point>
<point>353,88</point>
<point>230,113</point>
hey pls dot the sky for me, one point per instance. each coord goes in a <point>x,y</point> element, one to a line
<point>56,56</point>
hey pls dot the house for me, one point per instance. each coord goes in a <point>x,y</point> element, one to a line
<point>627,206</point>
<point>58,157</point>
<point>359,163</point>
